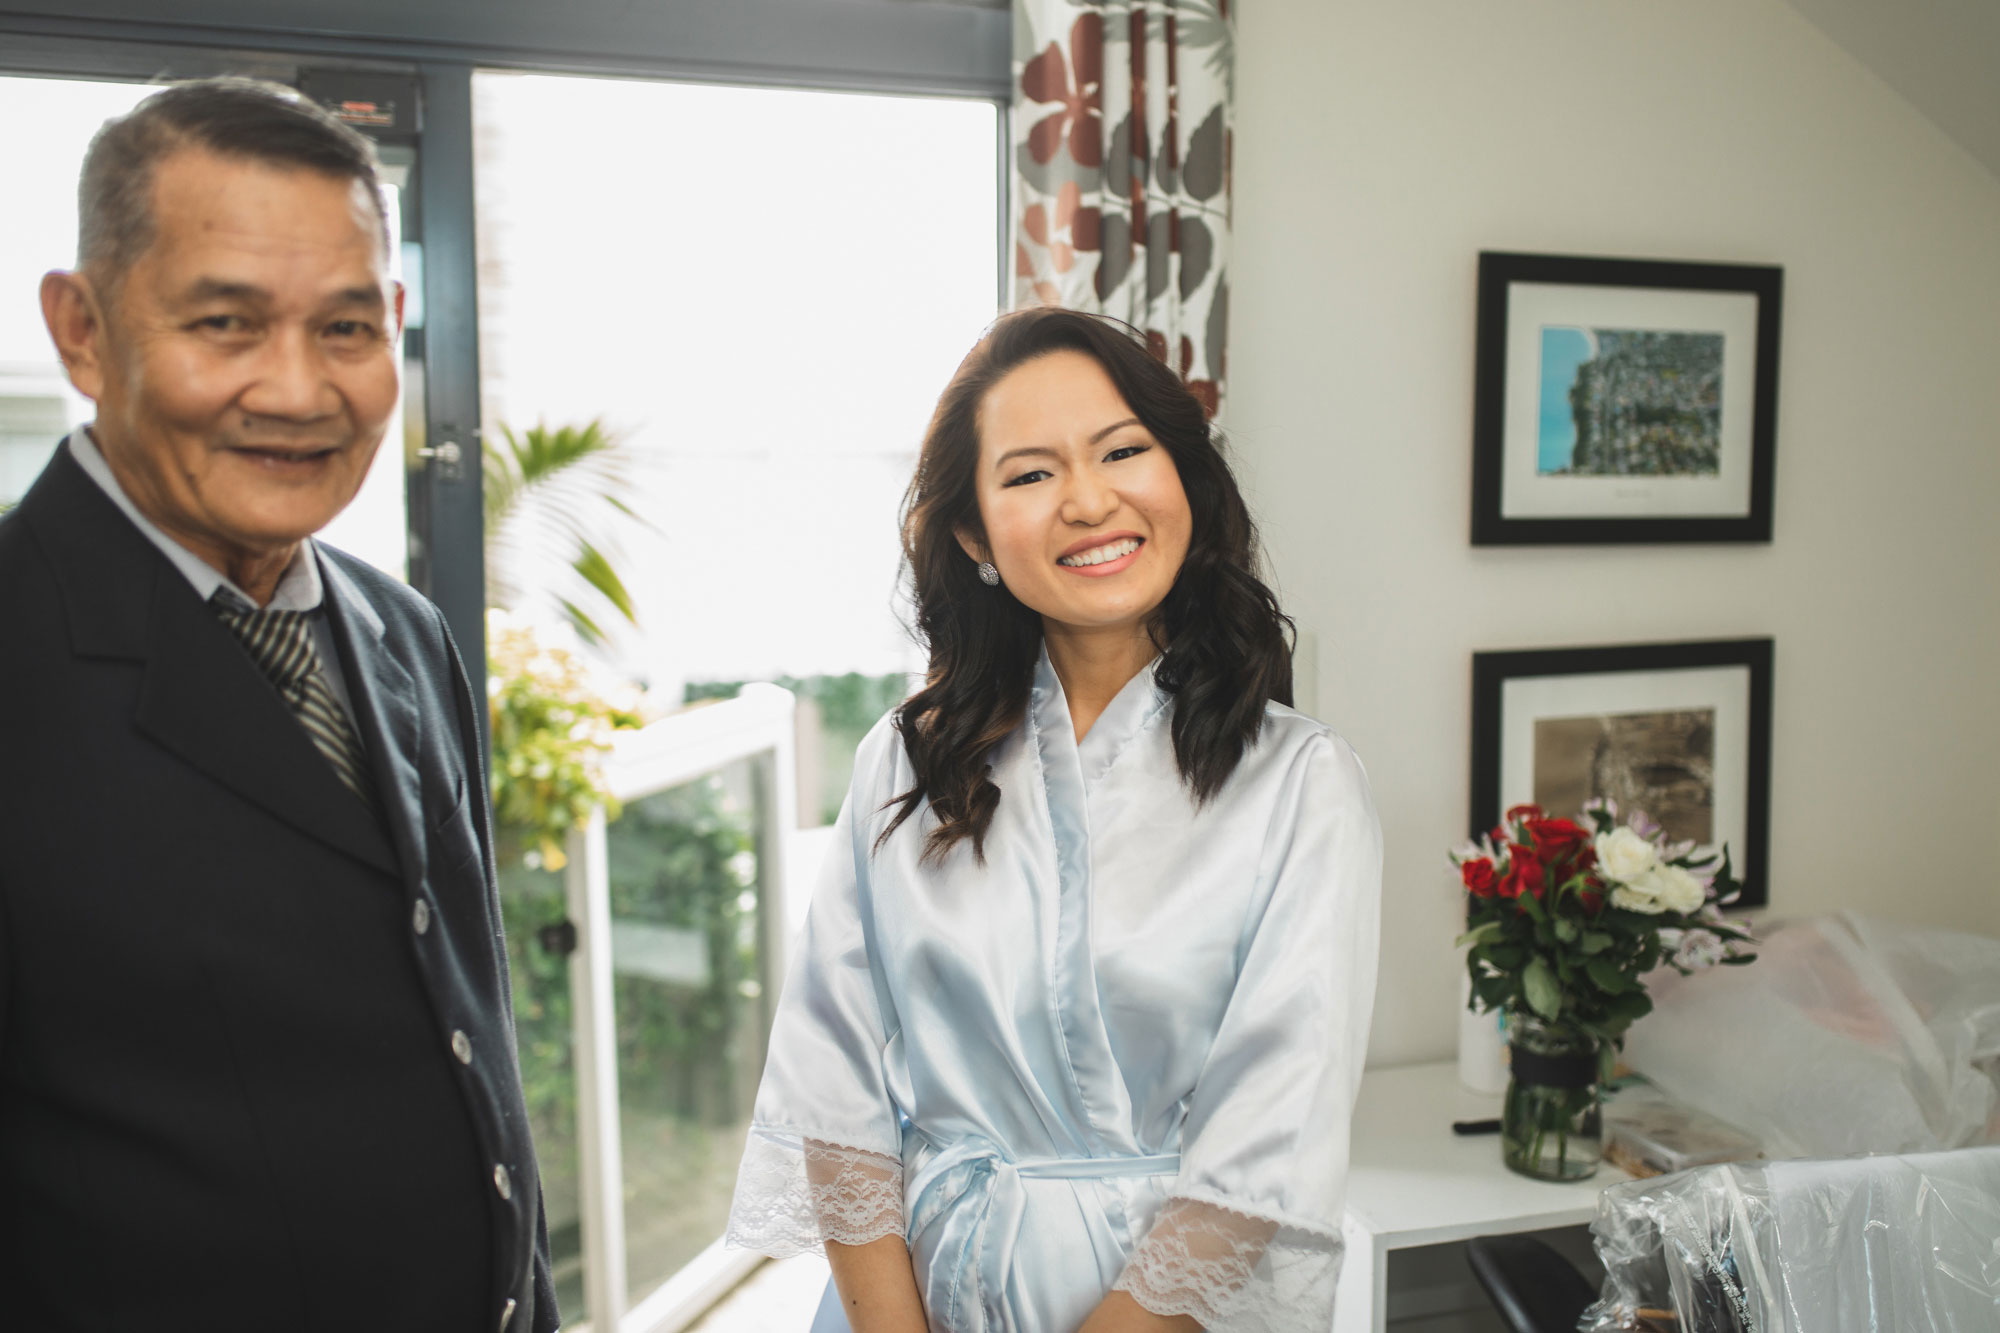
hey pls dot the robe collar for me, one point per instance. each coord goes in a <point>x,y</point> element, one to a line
<point>1130,712</point>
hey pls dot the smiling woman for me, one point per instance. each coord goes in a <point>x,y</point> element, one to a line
<point>1073,1035</point>
<point>1059,435</point>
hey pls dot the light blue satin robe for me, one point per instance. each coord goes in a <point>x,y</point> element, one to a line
<point>1134,1000</point>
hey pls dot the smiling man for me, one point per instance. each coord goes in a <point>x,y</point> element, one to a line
<point>256,1060</point>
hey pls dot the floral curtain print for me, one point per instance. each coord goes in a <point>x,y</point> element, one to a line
<point>1121,170</point>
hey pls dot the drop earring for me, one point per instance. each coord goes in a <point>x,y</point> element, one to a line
<point>988,574</point>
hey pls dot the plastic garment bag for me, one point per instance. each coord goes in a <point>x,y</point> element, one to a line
<point>1890,1244</point>
<point>1847,1035</point>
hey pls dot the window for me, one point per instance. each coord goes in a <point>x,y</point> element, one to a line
<point>758,293</point>
<point>37,405</point>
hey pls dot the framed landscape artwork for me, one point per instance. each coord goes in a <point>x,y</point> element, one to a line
<point>1624,400</point>
<point>1681,731</point>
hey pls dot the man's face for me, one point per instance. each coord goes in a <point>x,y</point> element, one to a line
<point>246,369</point>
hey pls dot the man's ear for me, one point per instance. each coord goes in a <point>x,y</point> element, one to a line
<point>75,318</point>
<point>972,546</point>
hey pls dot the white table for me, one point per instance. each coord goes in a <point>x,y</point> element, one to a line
<point>1414,1182</point>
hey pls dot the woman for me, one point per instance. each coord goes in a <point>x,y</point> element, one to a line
<point>1073,1034</point>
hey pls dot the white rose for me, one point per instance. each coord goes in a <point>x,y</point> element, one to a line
<point>1637,897</point>
<point>1624,856</point>
<point>1661,889</point>
<point>1680,891</point>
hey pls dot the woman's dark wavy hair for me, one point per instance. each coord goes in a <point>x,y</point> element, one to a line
<point>1225,646</point>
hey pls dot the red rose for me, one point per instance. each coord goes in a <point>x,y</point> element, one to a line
<point>1478,876</point>
<point>1523,812</point>
<point>1523,872</point>
<point>1591,900</point>
<point>1556,838</point>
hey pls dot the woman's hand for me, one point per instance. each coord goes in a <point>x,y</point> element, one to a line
<point>1119,1313</point>
<point>878,1288</point>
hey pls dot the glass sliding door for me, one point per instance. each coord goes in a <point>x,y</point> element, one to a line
<point>734,307</point>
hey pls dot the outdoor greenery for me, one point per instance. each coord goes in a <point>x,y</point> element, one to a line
<point>689,987</point>
<point>552,726</point>
<point>686,859</point>
<point>551,497</point>
<point>682,863</point>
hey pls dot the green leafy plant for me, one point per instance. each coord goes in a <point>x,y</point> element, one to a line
<point>552,496</point>
<point>552,726</point>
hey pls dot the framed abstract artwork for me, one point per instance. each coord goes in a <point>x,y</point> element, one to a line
<point>1624,401</point>
<point>1681,731</point>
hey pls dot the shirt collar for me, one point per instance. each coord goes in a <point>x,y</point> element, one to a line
<point>299,587</point>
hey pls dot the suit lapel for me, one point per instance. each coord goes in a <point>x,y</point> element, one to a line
<point>205,700</point>
<point>201,697</point>
<point>385,699</point>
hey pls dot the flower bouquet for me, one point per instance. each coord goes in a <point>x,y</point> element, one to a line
<point>1563,920</point>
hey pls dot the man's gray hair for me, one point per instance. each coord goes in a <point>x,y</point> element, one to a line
<point>230,117</point>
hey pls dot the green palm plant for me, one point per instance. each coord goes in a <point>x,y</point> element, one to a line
<point>547,491</point>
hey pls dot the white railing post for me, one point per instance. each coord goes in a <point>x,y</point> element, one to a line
<point>599,1146</point>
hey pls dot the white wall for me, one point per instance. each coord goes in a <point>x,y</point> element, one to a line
<point>1379,148</point>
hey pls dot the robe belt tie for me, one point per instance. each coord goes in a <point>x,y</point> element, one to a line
<point>972,1192</point>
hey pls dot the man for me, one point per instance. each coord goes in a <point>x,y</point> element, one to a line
<point>256,1061</point>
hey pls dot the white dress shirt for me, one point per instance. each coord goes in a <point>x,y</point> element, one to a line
<point>299,587</point>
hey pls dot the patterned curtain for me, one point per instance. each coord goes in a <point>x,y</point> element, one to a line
<point>1121,169</point>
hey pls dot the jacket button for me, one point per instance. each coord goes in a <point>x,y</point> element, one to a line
<point>502,1182</point>
<point>461,1046</point>
<point>507,1313</point>
<point>420,917</point>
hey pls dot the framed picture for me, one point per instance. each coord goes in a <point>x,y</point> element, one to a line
<point>1623,400</point>
<point>1681,731</point>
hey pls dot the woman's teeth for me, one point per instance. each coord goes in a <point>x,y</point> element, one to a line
<point>1098,555</point>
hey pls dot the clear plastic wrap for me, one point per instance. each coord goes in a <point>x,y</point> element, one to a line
<point>1847,1035</point>
<point>1889,1244</point>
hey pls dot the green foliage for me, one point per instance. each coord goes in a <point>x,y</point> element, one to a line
<point>532,900</point>
<point>551,730</point>
<point>686,859</point>
<point>548,495</point>
<point>1539,985</point>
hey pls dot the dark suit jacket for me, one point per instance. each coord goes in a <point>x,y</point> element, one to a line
<point>229,1091</point>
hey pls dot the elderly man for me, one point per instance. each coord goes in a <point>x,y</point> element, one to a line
<point>256,1061</point>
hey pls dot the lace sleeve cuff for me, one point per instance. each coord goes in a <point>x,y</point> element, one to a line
<point>1234,1272</point>
<point>794,1193</point>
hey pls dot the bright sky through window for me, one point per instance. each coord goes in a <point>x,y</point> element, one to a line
<point>764,290</point>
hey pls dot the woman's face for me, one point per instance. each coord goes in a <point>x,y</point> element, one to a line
<point>1083,508</point>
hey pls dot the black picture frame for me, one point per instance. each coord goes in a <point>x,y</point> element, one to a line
<point>1511,506</point>
<point>1650,666</point>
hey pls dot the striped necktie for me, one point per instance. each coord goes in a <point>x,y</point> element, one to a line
<point>281,642</point>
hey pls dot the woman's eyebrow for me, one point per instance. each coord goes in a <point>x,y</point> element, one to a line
<point>1116,425</point>
<point>1027,451</point>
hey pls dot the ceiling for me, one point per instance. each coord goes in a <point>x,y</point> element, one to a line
<point>1942,55</point>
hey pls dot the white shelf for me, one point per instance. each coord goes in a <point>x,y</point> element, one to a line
<point>1413,1182</point>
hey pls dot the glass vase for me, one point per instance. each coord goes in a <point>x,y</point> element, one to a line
<point>1549,1126</point>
